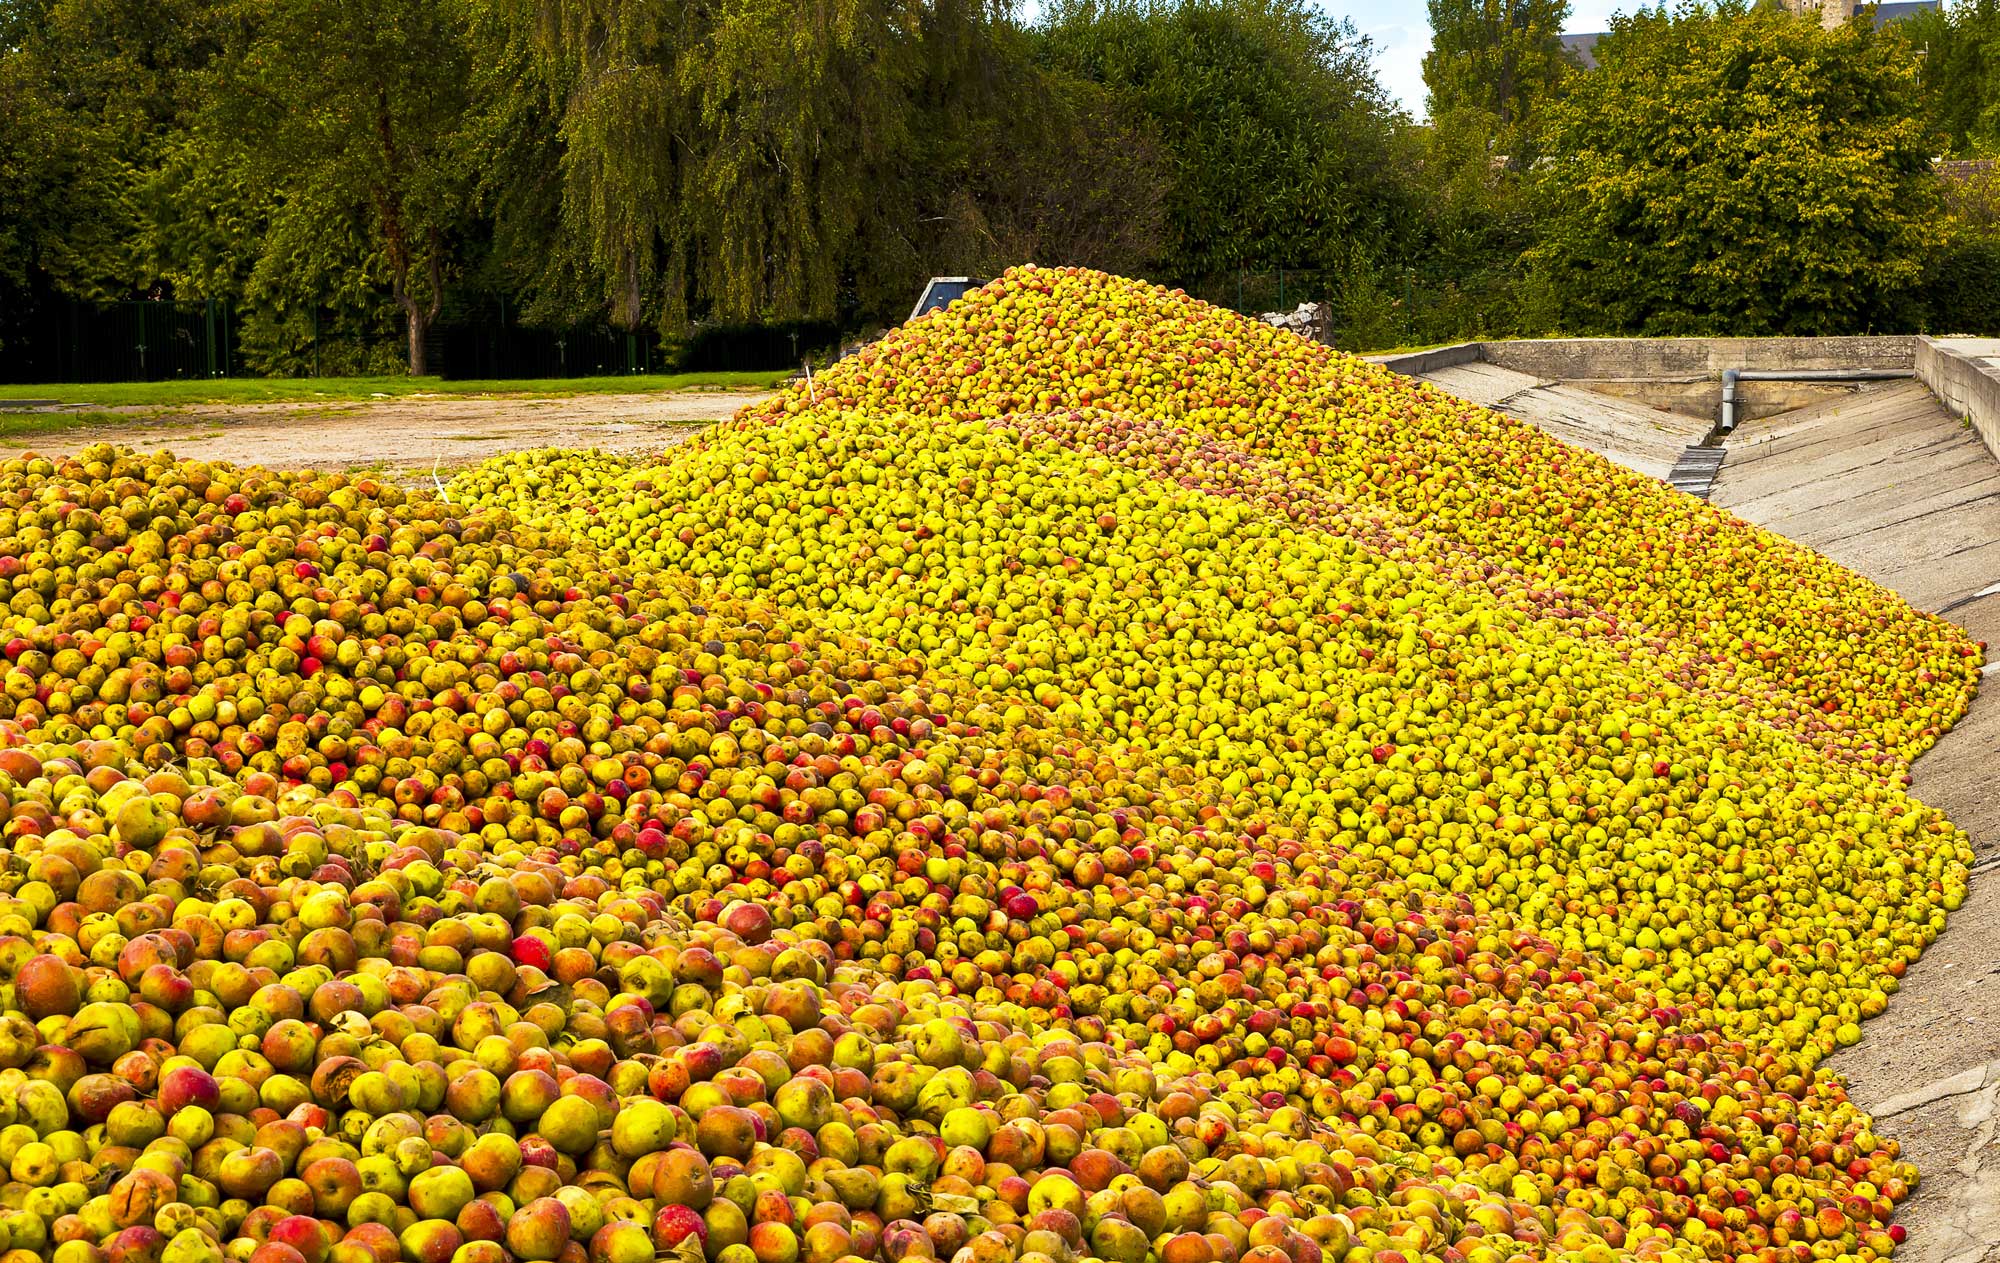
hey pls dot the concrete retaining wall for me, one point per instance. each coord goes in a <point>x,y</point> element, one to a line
<point>1660,359</point>
<point>1679,374</point>
<point>1685,374</point>
<point>1963,384</point>
<point>1702,396</point>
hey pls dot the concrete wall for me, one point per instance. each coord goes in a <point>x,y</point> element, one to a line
<point>1702,396</point>
<point>1963,383</point>
<point>1657,359</point>
<point>1417,363</point>
<point>1681,375</point>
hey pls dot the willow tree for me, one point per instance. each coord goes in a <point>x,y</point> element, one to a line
<point>719,156</point>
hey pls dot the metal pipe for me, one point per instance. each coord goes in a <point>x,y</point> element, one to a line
<point>1730,376</point>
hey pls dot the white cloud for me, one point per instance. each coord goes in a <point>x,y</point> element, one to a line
<point>1401,31</point>
<point>1399,60</point>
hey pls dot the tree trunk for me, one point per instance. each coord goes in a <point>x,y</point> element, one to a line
<point>420,327</point>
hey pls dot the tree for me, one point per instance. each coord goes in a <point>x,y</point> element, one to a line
<point>720,159</point>
<point>1503,58</point>
<point>1961,73</point>
<point>30,173</point>
<point>513,145</point>
<point>1478,217</point>
<point>1730,171</point>
<point>1037,167</point>
<point>1080,180</point>
<point>1961,291</point>
<point>345,115</point>
<point>93,95</point>
<point>1280,143</point>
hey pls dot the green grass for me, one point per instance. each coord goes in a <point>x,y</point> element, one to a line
<point>353,389</point>
<point>18,426</point>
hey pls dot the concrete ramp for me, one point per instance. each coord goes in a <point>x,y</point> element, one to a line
<point>1890,483</point>
<point>1886,482</point>
<point>1649,440</point>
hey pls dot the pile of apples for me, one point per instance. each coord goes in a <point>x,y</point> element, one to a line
<point>1085,779</point>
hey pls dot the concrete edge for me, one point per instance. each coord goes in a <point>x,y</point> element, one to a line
<point>1582,360</point>
<point>1656,359</point>
<point>1417,363</point>
<point>1695,366</point>
<point>1963,385</point>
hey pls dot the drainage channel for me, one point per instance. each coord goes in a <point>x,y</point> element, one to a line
<point>1696,470</point>
<point>1699,463</point>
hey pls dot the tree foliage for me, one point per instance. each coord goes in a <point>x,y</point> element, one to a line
<point>1742,172</point>
<point>1502,58</point>
<point>342,120</point>
<point>95,98</point>
<point>344,174</point>
<point>1281,141</point>
<point>1016,163</point>
<point>1478,219</point>
<point>1961,72</point>
<point>720,156</point>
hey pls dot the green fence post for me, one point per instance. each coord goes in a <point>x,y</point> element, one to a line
<point>208,340</point>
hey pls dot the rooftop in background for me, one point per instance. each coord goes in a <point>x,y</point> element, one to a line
<point>1836,11</point>
<point>1966,170</point>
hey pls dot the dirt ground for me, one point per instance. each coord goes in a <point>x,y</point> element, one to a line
<point>403,435</point>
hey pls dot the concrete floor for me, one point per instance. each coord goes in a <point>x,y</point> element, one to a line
<point>1636,436</point>
<point>1887,482</point>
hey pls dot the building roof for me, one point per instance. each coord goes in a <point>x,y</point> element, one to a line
<point>1584,45</point>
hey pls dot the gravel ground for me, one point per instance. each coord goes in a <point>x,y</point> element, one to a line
<point>405,434</point>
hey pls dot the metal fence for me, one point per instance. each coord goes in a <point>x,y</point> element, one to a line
<point>58,339</point>
<point>68,341</point>
<point>1254,293</point>
<point>53,338</point>
<point>469,351</point>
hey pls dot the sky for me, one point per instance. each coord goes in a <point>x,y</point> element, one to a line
<point>1401,32</point>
